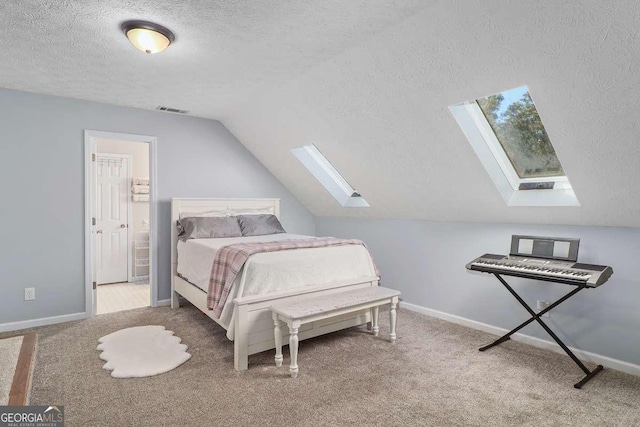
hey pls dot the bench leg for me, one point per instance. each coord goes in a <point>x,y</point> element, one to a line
<point>392,319</point>
<point>374,321</point>
<point>277,332</point>
<point>293,350</point>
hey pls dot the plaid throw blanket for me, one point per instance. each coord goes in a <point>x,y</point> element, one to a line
<point>230,259</point>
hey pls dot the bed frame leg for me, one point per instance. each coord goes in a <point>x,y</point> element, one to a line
<point>241,343</point>
<point>175,299</point>
<point>240,356</point>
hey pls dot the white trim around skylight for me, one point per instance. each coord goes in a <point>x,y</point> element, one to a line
<point>488,149</point>
<point>328,176</point>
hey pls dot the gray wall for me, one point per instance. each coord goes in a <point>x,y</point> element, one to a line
<point>426,261</point>
<point>42,178</point>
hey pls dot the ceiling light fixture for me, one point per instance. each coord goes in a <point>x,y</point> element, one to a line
<point>147,36</point>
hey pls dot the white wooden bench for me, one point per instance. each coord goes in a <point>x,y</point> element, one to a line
<point>302,310</point>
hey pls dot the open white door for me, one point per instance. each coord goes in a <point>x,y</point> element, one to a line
<point>112,224</point>
<point>91,223</point>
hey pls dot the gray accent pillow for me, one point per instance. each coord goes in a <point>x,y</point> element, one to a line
<point>259,225</point>
<point>206,227</point>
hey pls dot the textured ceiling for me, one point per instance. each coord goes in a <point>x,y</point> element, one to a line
<point>369,82</point>
<point>226,52</point>
<point>379,111</point>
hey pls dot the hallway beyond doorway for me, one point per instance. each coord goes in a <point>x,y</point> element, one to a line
<point>122,296</point>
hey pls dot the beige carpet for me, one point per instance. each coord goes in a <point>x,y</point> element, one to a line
<point>9,353</point>
<point>433,376</point>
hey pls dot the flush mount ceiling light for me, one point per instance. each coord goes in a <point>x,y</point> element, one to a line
<point>147,36</point>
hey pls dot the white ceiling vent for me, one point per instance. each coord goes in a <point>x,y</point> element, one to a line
<point>171,110</point>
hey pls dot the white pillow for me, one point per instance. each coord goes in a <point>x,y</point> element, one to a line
<point>212,213</point>
<point>252,211</point>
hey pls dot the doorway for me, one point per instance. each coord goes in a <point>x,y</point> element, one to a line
<point>121,209</point>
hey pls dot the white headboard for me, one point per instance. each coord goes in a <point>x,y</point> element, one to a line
<point>203,205</point>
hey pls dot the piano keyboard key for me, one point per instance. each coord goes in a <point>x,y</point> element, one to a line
<point>542,268</point>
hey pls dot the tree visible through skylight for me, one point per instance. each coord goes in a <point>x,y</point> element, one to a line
<point>515,121</point>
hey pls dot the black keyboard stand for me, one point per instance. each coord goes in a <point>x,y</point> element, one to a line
<point>536,316</point>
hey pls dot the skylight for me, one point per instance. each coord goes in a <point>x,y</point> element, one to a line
<point>328,176</point>
<point>508,136</point>
<point>514,119</point>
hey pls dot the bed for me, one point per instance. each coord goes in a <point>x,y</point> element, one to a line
<point>265,279</point>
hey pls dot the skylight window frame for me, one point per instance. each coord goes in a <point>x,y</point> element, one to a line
<point>485,143</point>
<point>490,137</point>
<point>328,176</point>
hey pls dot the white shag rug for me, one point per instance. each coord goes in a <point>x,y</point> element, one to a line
<point>142,351</point>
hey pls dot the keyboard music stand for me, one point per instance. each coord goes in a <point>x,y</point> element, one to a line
<point>536,316</point>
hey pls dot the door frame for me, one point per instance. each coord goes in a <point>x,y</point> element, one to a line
<point>90,137</point>
<point>129,158</point>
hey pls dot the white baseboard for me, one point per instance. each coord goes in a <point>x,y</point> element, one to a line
<point>33,323</point>
<point>26,324</point>
<point>599,359</point>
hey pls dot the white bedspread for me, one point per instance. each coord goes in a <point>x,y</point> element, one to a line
<point>272,271</point>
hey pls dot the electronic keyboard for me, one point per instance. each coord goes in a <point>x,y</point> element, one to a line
<point>551,270</point>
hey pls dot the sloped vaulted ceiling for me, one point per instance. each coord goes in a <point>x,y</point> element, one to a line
<point>368,82</point>
<point>379,111</point>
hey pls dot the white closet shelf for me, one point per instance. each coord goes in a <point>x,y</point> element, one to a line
<point>141,255</point>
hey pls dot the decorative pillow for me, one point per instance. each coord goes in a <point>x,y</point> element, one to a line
<point>259,225</point>
<point>206,227</point>
<point>251,211</point>
<point>213,212</point>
